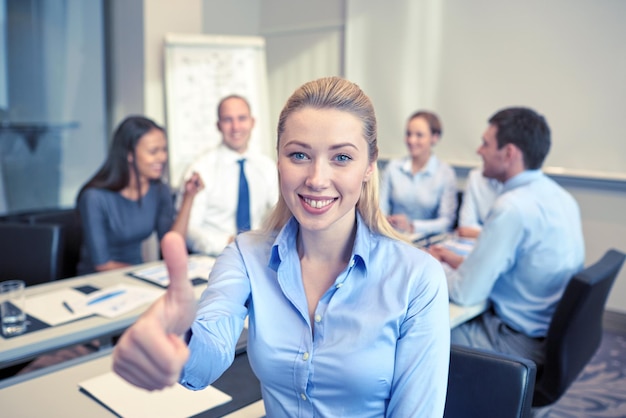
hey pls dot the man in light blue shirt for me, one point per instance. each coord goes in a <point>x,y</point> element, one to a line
<point>530,246</point>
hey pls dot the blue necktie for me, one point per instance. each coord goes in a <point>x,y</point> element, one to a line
<point>243,204</point>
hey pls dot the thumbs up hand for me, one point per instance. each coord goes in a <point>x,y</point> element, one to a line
<point>151,353</point>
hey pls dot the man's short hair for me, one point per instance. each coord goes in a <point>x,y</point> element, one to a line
<point>527,130</point>
<point>231,96</point>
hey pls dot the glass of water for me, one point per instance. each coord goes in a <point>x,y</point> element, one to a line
<point>12,307</point>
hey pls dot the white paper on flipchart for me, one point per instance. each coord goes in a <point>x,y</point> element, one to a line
<point>129,401</point>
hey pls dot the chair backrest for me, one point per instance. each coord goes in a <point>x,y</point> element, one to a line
<point>576,328</point>
<point>487,384</point>
<point>30,252</point>
<point>69,220</point>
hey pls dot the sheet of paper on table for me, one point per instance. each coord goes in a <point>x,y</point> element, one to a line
<point>198,267</point>
<point>49,307</point>
<point>114,300</point>
<point>129,401</point>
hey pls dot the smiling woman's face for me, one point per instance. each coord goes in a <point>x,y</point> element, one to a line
<point>151,154</point>
<point>322,163</point>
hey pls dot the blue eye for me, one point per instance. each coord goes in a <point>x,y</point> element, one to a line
<point>343,158</point>
<point>298,155</point>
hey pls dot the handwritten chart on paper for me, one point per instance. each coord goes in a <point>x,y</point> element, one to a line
<point>199,71</point>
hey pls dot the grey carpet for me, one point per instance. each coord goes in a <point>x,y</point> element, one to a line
<point>600,390</point>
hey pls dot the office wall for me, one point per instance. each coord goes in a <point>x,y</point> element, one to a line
<point>136,29</point>
<point>304,42</point>
<point>233,17</point>
<point>603,208</point>
<point>465,60</point>
<point>468,59</point>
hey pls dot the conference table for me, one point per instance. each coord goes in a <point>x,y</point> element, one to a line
<point>56,387</point>
<point>22,348</point>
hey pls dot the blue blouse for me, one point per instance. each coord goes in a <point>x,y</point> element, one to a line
<point>114,227</point>
<point>379,344</point>
<point>427,198</point>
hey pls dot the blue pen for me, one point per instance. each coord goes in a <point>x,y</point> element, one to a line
<point>68,307</point>
<point>106,296</point>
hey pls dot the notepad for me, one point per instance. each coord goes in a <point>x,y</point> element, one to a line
<point>129,401</point>
<point>48,307</point>
<point>114,300</point>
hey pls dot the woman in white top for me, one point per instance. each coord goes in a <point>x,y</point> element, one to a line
<point>478,197</point>
<point>418,192</point>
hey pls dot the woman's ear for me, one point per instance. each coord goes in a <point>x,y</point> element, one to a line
<point>130,158</point>
<point>434,139</point>
<point>369,171</point>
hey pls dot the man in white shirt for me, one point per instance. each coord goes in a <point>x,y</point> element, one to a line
<point>213,219</point>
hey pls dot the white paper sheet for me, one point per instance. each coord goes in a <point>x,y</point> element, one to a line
<point>49,308</point>
<point>198,267</point>
<point>129,401</point>
<point>114,300</point>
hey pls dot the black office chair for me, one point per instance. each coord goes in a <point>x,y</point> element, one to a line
<point>69,220</point>
<point>30,252</point>
<point>487,384</point>
<point>576,328</point>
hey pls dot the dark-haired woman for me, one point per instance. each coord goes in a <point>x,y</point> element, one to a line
<point>126,201</point>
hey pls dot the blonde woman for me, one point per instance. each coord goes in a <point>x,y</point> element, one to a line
<point>345,319</point>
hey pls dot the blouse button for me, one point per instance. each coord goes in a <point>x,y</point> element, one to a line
<point>303,396</point>
<point>318,318</point>
<point>339,285</point>
<point>305,356</point>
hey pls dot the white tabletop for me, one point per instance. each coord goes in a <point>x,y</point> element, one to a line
<point>28,346</point>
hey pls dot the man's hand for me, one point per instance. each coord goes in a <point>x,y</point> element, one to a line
<point>468,232</point>
<point>401,222</point>
<point>151,353</point>
<point>445,255</point>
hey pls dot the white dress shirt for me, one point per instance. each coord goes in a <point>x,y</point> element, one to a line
<point>213,216</point>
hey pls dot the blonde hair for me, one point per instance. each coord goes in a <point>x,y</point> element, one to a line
<point>339,94</point>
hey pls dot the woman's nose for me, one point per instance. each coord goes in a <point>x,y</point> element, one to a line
<point>318,175</point>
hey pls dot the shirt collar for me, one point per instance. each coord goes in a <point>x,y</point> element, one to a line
<point>230,154</point>
<point>429,169</point>
<point>521,179</point>
<point>286,241</point>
